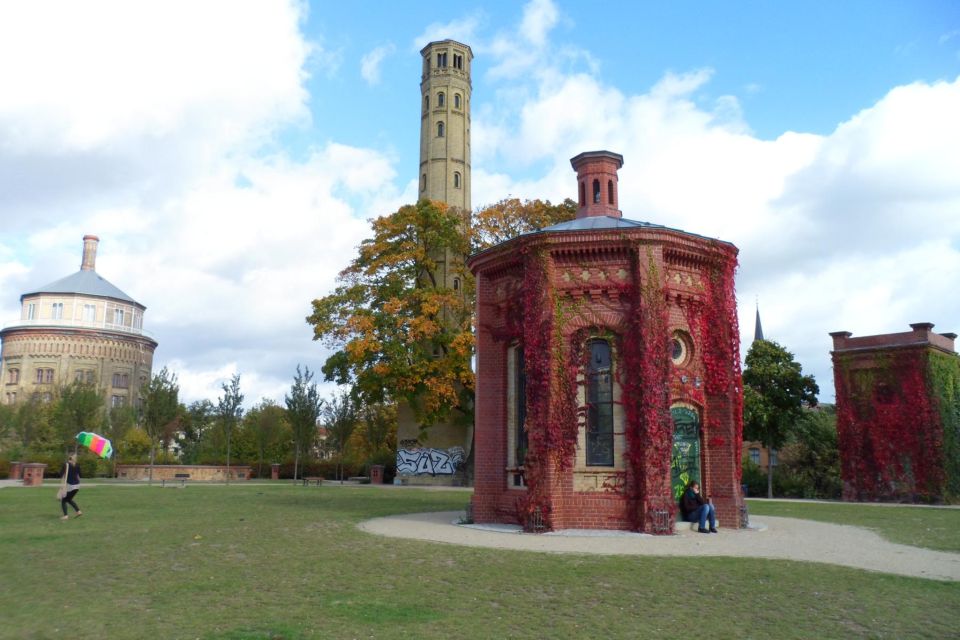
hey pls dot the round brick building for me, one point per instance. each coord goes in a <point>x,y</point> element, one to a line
<point>608,370</point>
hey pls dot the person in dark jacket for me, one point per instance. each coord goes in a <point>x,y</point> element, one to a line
<point>72,472</point>
<point>696,508</point>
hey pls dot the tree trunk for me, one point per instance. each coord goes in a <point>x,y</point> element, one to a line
<point>153,450</point>
<point>228,457</point>
<point>296,462</point>
<point>769,475</point>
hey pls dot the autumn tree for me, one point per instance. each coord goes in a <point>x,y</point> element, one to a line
<point>510,217</point>
<point>229,411</point>
<point>303,411</point>
<point>160,408</point>
<point>398,329</point>
<point>775,392</point>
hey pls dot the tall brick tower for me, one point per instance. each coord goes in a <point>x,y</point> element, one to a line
<point>445,123</point>
<point>434,455</point>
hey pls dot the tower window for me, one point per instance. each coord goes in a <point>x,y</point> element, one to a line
<point>426,102</point>
<point>610,191</point>
<point>583,194</point>
<point>596,192</point>
<point>439,129</point>
<point>423,182</point>
<point>456,179</point>
<point>14,376</point>
<point>456,284</point>
<point>457,61</point>
<point>31,311</point>
<point>442,60</point>
<point>89,313</point>
<point>57,312</point>
<point>441,99</point>
<point>456,101</point>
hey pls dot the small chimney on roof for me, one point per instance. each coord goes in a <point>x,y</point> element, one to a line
<point>597,183</point>
<point>89,253</point>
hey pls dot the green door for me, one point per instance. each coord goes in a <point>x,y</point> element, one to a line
<point>685,459</point>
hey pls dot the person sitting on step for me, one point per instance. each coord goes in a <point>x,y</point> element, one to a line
<point>696,508</point>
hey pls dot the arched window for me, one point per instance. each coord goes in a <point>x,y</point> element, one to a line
<point>610,191</point>
<point>596,192</point>
<point>456,179</point>
<point>426,102</point>
<point>456,284</point>
<point>441,99</point>
<point>423,182</point>
<point>439,129</point>
<point>583,194</point>
<point>456,101</point>
<point>599,405</point>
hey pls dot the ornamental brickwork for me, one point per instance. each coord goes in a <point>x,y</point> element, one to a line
<point>607,370</point>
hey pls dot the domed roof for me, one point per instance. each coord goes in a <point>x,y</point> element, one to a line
<point>84,282</point>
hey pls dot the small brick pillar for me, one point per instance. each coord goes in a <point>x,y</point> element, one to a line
<point>376,474</point>
<point>275,471</point>
<point>33,473</point>
<point>15,470</point>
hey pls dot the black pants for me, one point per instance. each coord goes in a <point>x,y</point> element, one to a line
<point>68,499</point>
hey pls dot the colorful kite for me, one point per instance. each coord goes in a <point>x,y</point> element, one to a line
<point>98,444</point>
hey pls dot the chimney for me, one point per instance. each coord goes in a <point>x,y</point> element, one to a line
<point>89,253</point>
<point>597,183</point>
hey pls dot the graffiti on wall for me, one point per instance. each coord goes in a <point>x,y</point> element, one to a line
<point>415,462</point>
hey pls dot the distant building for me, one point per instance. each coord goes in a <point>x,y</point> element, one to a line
<point>898,414</point>
<point>79,328</point>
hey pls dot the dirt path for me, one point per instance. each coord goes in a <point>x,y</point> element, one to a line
<point>783,539</point>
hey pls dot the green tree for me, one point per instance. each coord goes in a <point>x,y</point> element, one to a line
<point>340,420</point>
<point>229,411</point>
<point>196,421</point>
<point>378,427</point>
<point>303,411</point>
<point>117,423</point>
<point>267,424</point>
<point>775,392</point>
<point>812,457</point>
<point>160,408</point>
<point>79,407</point>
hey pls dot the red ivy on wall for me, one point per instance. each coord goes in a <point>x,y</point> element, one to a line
<point>889,431</point>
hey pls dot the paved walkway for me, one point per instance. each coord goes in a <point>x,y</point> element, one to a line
<point>782,539</point>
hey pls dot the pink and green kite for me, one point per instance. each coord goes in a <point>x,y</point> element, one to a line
<point>98,444</point>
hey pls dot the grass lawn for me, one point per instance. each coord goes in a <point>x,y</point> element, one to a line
<point>279,561</point>
<point>933,528</point>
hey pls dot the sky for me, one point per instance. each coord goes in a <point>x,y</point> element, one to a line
<point>229,154</point>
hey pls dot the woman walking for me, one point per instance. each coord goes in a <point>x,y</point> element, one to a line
<point>71,475</point>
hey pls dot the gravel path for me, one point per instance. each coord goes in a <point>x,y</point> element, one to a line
<point>782,539</point>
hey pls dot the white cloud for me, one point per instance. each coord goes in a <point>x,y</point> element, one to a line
<point>858,230</point>
<point>539,17</point>
<point>462,30</point>
<point>370,63</point>
<point>155,136</point>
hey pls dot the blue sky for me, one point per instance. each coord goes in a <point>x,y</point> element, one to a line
<point>228,154</point>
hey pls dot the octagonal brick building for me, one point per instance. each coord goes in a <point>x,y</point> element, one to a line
<point>608,370</point>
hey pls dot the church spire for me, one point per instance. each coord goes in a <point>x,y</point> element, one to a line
<point>758,328</point>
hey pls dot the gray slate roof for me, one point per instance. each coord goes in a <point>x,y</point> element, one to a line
<point>598,222</point>
<point>87,283</point>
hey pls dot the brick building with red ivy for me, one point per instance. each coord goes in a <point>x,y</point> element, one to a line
<point>898,415</point>
<point>608,370</point>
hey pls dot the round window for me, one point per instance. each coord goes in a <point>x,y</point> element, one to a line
<point>680,348</point>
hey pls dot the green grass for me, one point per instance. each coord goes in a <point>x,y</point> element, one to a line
<point>284,562</point>
<point>933,528</point>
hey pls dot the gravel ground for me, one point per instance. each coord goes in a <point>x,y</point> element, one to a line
<point>782,539</point>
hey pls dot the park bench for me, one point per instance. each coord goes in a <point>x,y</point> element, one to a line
<point>177,477</point>
<point>312,480</point>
